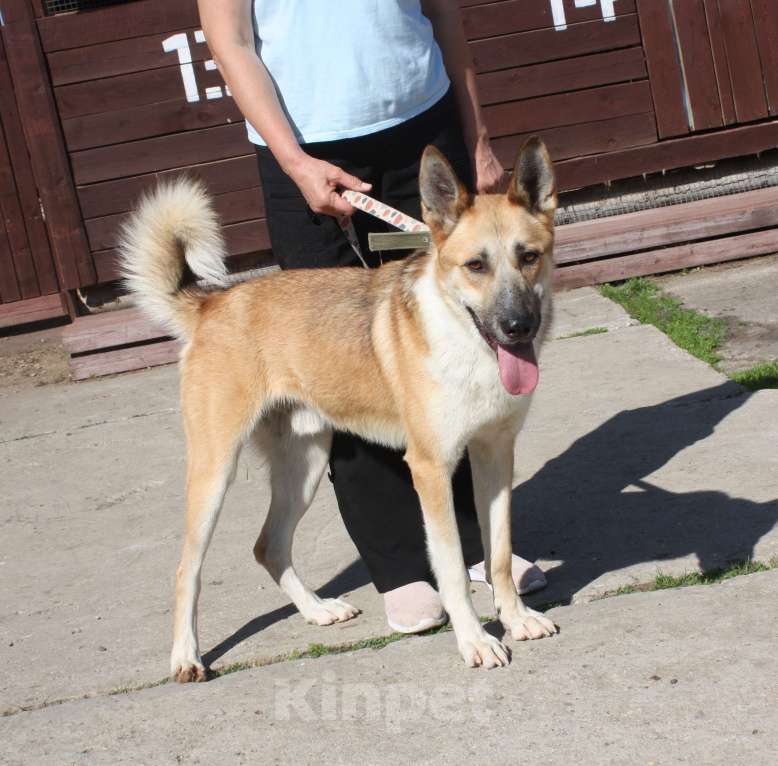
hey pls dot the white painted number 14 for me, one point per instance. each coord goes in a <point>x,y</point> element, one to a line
<point>558,11</point>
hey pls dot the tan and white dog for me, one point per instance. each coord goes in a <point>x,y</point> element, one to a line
<point>434,354</point>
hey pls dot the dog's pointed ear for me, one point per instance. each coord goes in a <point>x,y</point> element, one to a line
<point>443,196</point>
<point>533,184</point>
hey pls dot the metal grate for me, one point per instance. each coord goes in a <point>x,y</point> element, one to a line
<point>672,188</point>
<point>53,7</point>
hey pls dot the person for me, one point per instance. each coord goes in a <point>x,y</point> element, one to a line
<point>346,95</point>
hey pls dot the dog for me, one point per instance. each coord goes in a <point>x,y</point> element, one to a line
<point>433,354</point>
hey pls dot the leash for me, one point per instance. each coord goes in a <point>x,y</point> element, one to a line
<point>413,234</point>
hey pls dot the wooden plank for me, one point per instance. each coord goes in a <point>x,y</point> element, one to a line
<point>232,207</point>
<point>110,329</point>
<point>118,57</point>
<point>503,18</point>
<point>583,106</point>
<point>745,68</point>
<point>562,76</point>
<point>26,190</point>
<point>13,223</point>
<point>124,360</point>
<point>31,310</point>
<point>46,146</point>
<point>548,44</point>
<point>246,237</point>
<point>147,122</point>
<point>677,153</point>
<point>662,226</point>
<point>766,26</point>
<point>720,62</point>
<point>581,140</point>
<point>698,70</point>
<point>160,153</point>
<point>666,259</point>
<point>664,69</point>
<point>111,197</point>
<point>9,286</point>
<point>142,17</point>
<point>129,91</point>
<point>241,238</point>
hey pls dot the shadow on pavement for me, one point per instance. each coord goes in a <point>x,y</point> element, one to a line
<point>352,577</point>
<point>592,509</point>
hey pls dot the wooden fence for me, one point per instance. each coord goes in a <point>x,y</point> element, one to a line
<point>125,94</point>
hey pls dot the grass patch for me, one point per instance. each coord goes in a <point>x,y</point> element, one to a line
<point>694,332</point>
<point>588,331</point>
<point>665,581</point>
<point>314,651</point>
<point>758,377</point>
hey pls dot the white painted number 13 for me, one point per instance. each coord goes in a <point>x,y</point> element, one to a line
<point>558,11</point>
<point>180,44</point>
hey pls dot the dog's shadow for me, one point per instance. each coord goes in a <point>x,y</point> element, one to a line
<point>592,509</point>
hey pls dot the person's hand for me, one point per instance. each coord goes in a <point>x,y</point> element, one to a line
<point>488,171</point>
<point>320,183</point>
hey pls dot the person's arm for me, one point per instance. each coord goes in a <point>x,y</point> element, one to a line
<point>228,29</point>
<point>446,23</point>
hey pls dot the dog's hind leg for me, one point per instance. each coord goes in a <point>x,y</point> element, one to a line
<point>297,463</point>
<point>491,460</point>
<point>213,447</point>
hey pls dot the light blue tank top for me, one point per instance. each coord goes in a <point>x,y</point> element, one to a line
<point>346,68</point>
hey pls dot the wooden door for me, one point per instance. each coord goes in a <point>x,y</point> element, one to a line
<point>711,63</point>
<point>27,268</point>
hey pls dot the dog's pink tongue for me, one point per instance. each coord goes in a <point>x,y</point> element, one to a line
<point>518,369</point>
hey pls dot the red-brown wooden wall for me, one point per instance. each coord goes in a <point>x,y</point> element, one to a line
<point>613,95</point>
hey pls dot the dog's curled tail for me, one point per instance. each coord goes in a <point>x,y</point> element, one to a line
<point>174,226</point>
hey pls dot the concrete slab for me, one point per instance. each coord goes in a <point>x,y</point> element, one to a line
<point>92,487</point>
<point>684,676</point>
<point>579,310</point>
<point>746,294</point>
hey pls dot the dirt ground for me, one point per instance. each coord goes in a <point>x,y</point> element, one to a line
<point>32,359</point>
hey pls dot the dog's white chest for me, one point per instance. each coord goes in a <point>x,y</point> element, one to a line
<point>465,372</point>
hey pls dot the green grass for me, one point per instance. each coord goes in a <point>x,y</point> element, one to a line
<point>664,581</point>
<point>583,333</point>
<point>694,332</point>
<point>758,377</point>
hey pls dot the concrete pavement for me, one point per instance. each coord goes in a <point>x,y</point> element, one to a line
<point>636,458</point>
<point>671,677</point>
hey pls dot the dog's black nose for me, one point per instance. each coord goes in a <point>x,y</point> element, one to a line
<point>516,327</point>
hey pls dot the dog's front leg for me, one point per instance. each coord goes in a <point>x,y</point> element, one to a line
<point>491,460</point>
<point>432,479</point>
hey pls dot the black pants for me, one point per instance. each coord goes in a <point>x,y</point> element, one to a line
<point>373,484</point>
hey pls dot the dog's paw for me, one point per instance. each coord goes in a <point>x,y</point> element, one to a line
<point>484,651</point>
<point>331,610</point>
<point>529,624</point>
<point>189,672</point>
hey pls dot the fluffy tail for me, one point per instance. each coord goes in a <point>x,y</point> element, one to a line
<point>173,226</point>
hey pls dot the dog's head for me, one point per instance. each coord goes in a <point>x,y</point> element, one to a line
<point>495,252</point>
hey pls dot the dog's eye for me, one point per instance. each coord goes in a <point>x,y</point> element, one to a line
<point>529,257</point>
<point>476,264</point>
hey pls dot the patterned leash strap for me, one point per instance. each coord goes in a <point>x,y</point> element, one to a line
<point>382,212</point>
